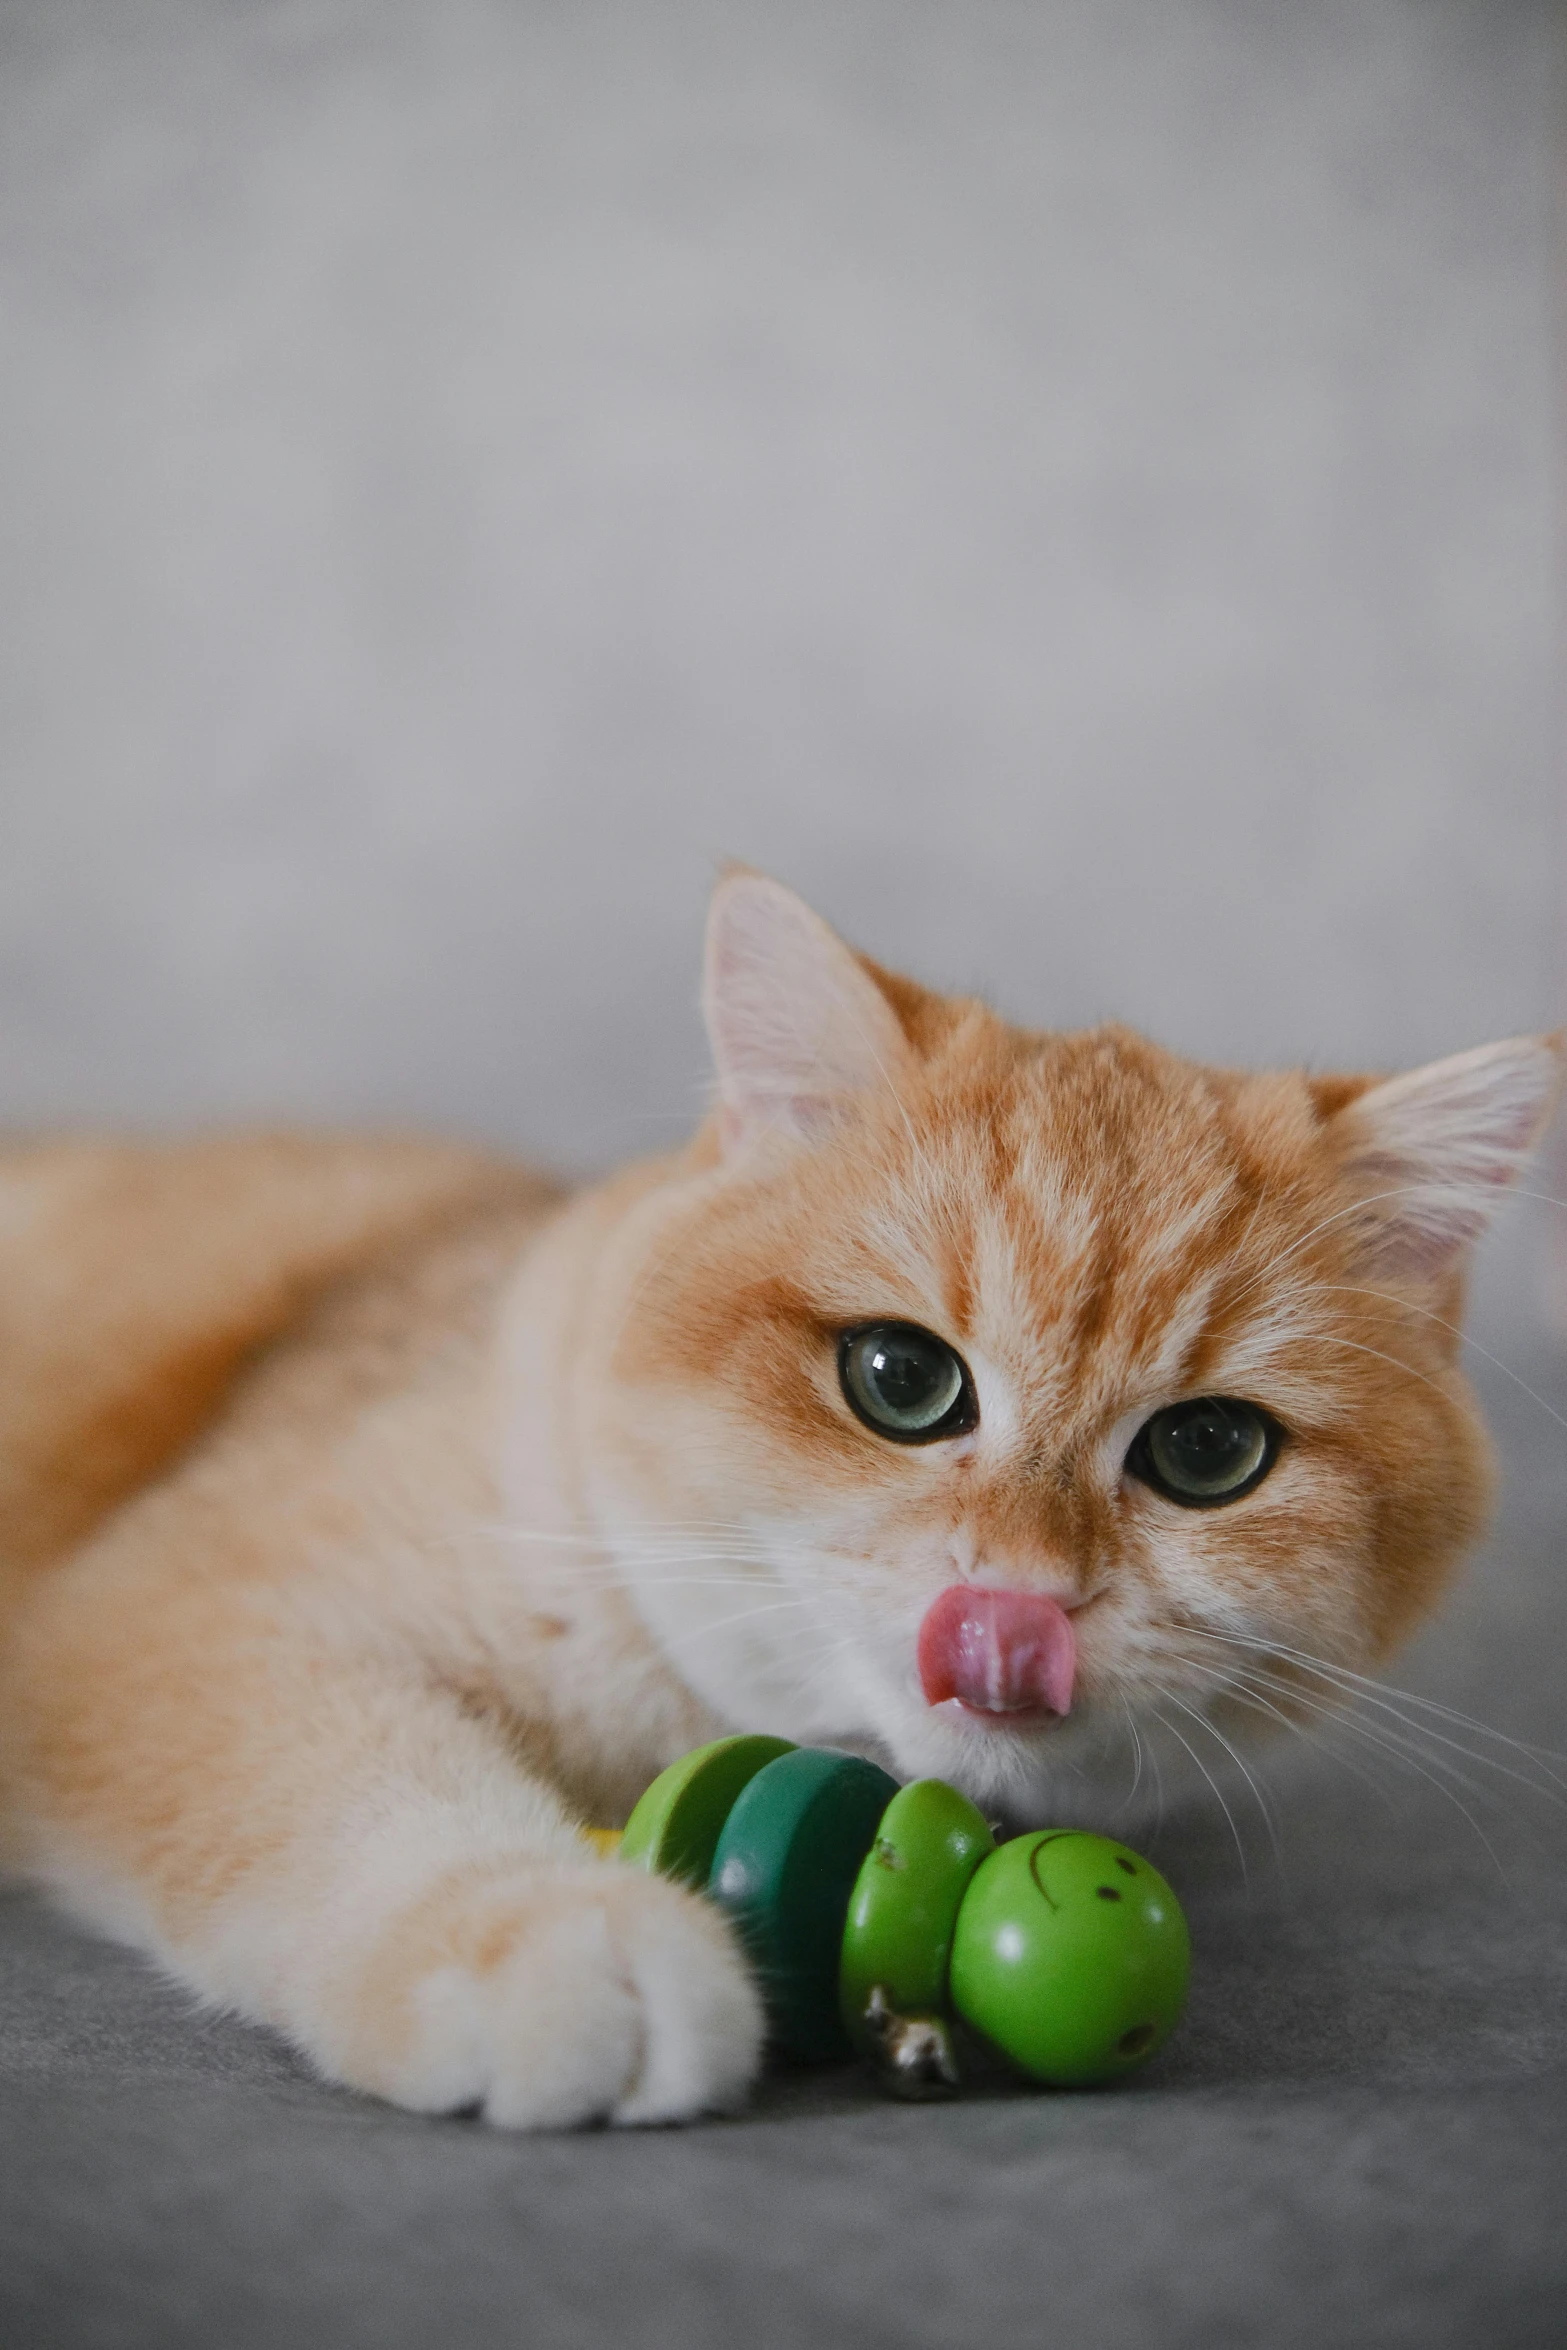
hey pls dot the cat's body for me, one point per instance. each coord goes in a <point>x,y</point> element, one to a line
<point>371,1516</point>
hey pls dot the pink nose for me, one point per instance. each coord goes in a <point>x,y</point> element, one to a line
<point>997,1652</point>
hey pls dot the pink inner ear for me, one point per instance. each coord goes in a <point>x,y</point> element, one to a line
<point>1430,1153</point>
<point>997,1652</point>
<point>796,1023</point>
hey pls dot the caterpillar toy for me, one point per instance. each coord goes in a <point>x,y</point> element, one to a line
<point>878,1917</point>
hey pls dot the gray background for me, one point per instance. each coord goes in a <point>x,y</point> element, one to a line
<point>1073,487</point>
<point>1067,483</point>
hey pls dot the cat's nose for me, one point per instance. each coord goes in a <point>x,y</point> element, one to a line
<point>997,1652</point>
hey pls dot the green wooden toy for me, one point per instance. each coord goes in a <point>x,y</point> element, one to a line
<point>785,1865</point>
<point>1071,1957</point>
<point>674,1830</point>
<point>879,1918</point>
<point>897,1937</point>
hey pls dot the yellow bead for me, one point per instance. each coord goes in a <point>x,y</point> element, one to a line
<point>603,1840</point>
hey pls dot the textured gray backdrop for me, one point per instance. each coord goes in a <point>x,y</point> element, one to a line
<point>1068,483</point>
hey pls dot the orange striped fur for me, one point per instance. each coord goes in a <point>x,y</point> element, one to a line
<point>371,1514</point>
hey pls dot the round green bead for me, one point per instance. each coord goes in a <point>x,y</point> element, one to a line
<point>1071,1957</point>
<point>675,1828</point>
<point>904,1906</point>
<point>785,1866</point>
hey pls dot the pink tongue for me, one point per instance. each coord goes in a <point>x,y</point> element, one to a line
<point>1001,1652</point>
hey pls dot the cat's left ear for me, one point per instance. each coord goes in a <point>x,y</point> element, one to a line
<point>798,1025</point>
<point>1429,1154</point>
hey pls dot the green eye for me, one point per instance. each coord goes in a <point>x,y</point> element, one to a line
<point>1201,1453</point>
<point>905,1382</point>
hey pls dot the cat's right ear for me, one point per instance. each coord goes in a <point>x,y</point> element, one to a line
<point>797,1024</point>
<point>1429,1154</point>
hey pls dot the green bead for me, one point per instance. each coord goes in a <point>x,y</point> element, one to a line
<point>675,1828</point>
<point>904,1907</point>
<point>784,1869</point>
<point>1071,1957</point>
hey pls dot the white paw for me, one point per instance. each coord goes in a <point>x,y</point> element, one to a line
<point>556,1995</point>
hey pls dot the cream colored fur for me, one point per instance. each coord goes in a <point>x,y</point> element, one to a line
<point>371,1516</point>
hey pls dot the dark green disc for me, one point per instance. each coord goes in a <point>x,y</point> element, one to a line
<point>785,1866</point>
<point>675,1828</point>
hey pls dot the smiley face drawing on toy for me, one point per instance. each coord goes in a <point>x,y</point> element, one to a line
<point>1071,1957</point>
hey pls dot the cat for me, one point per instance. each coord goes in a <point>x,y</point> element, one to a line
<point>377,1514</point>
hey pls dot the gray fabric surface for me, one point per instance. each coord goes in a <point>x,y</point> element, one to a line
<point>1068,485</point>
<point>1359,2137</point>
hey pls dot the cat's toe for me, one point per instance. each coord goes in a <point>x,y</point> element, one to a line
<point>701,2017</point>
<point>570,1995</point>
<point>631,2004</point>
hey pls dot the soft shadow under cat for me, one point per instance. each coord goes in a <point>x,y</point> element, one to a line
<point>982,1399</point>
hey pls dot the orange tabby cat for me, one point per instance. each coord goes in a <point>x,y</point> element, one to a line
<point>373,1515</point>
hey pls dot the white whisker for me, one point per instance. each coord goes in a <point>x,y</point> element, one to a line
<point>1137,1750</point>
<point>1216,1733</point>
<point>1401,1750</point>
<point>1427,1314</point>
<point>1212,1781</point>
<point>1392,1701</point>
<point>1249,1691</point>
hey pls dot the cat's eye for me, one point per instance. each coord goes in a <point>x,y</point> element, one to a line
<point>906,1382</point>
<point>1211,1450</point>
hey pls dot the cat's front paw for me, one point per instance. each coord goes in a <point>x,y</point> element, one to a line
<point>553,1995</point>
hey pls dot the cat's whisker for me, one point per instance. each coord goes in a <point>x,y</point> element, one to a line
<point>1546,1199</point>
<point>1398,1752</point>
<point>1338,1711</point>
<point>1483,1192</point>
<point>1218,1791</point>
<point>1452,1189</point>
<point>627,1569</point>
<point>693,1632</point>
<point>1384,1742</point>
<point>1304,1239</point>
<point>671,1543</point>
<point>1245,1692</point>
<point>1402,1751</point>
<point>1158,1781</point>
<point>1216,1733</point>
<point>1258,1691</point>
<point>1390,1700</point>
<point>1137,1751</point>
<point>1384,1694</point>
<point>1257,1206</point>
<point>625,1573</point>
<point>696,1583</point>
<point>1356,1346</point>
<point>1454,1330</point>
<point>622,1562</point>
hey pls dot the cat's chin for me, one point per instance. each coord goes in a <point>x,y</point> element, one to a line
<point>1014,1765</point>
<point>1030,1720</point>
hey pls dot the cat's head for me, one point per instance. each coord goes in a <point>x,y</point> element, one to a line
<point>971,1389</point>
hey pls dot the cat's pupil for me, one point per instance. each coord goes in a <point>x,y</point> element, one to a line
<point>1212,1449</point>
<point>906,1377</point>
<point>904,1382</point>
<point>1208,1444</point>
